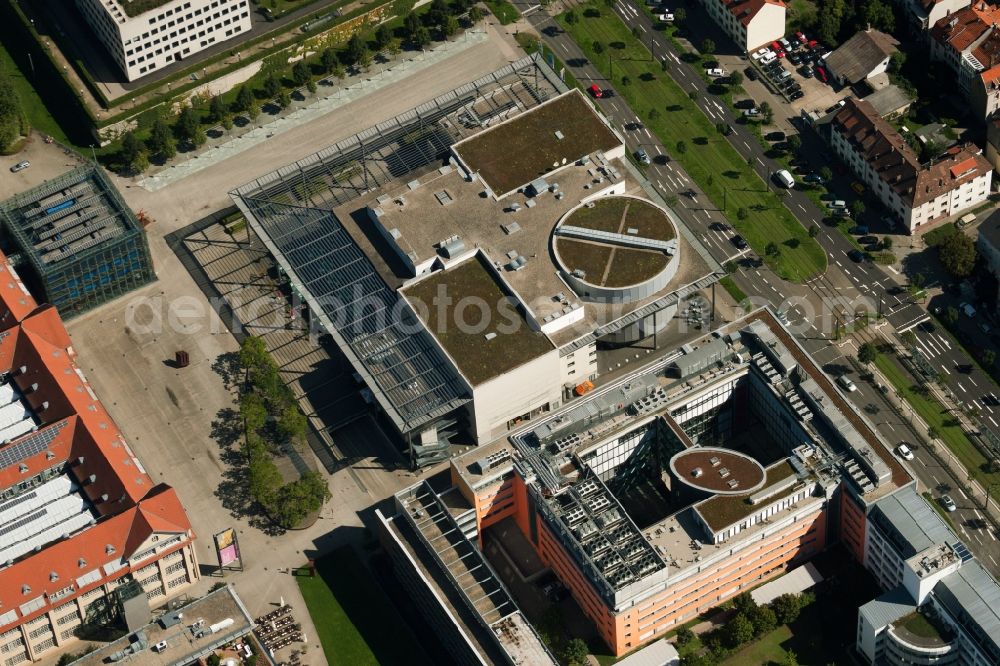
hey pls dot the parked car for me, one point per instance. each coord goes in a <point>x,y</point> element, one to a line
<point>869,240</point>
<point>716,72</point>
<point>666,17</point>
<point>821,74</point>
<point>785,44</point>
<point>595,91</point>
<point>795,59</point>
<point>740,242</point>
<point>751,73</point>
<point>846,384</point>
<point>967,309</point>
<point>991,399</point>
<point>643,157</point>
<point>745,104</point>
<point>948,503</point>
<point>798,94</point>
<point>859,230</point>
<point>802,38</point>
<point>760,53</point>
<point>806,72</point>
<point>904,451</point>
<point>775,136</point>
<point>777,50</point>
<point>20,166</point>
<point>814,178</point>
<point>783,178</point>
<point>857,256</point>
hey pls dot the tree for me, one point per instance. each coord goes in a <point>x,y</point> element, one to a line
<point>253,111</point>
<point>737,631</point>
<point>311,86</point>
<point>958,255</point>
<point>272,85</point>
<point>339,73</point>
<point>951,316</point>
<point>217,109</point>
<point>684,636</point>
<point>763,620</point>
<point>680,15</point>
<point>365,61</point>
<point>301,73</point>
<point>692,95</point>
<point>786,608</point>
<point>813,231</point>
<point>626,81</point>
<point>772,249</point>
<point>791,659</point>
<point>654,114</point>
<point>140,163</point>
<point>909,338</point>
<point>244,99</point>
<point>421,37</point>
<point>930,150</point>
<point>161,139</point>
<point>356,48</point>
<point>794,142</point>
<point>328,60</point>
<point>867,353</point>
<point>744,603</point>
<point>284,100</point>
<point>382,36</point>
<point>887,242</point>
<point>932,432</point>
<point>571,17</point>
<point>826,173</point>
<point>187,125</point>
<point>857,208</point>
<point>264,479</point>
<point>575,652</point>
<point>411,23</point>
<point>13,120</point>
<point>681,147</point>
<point>131,147</point>
<point>767,112</point>
<point>636,33</point>
<point>736,79</point>
<point>879,15</point>
<point>475,14</point>
<point>830,21</point>
<point>989,357</point>
<point>707,46</point>
<point>597,47</point>
<point>292,423</point>
<point>896,62</point>
<point>720,128</point>
<point>393,46</point>
<point>449,26</point>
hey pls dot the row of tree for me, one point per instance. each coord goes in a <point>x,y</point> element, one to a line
<point>749,622</point>
<point>272,421</point>
<point>187,128</point>
<point>13,121</point>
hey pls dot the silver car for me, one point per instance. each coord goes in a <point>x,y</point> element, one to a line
<point>643,157</point>
<point>20,166</point>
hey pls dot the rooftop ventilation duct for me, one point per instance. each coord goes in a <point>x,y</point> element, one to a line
<point>696,472</point>
<point>109,549</point>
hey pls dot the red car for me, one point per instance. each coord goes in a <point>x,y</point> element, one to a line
<point>802,38</point>
<point>812,44</point>
<point>778,50</point>
<point>821,74</point>
<point>595,91</point>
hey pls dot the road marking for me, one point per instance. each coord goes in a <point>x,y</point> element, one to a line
<point>747,145</point>
<point>640,27</point>
<point>893,270</point>
<point>761,162</point>
<point>944,341</point>
<point>959,384</point>
<point>647,132</point>
<point>972,381</point>
<point>962,493</point>
<point>803,208</point>
<point>564,47</point>
<point>992,421</point>
<point>837,261</point>
<point>946,371</point>
<point>991,557</point>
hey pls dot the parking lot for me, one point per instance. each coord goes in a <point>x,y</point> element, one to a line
<point>796,76</point>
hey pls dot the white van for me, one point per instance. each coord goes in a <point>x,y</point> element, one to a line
<point>784,178</point>
<point>837,203</point>
<point>846,384</point>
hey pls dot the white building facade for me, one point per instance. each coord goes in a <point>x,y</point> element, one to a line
<point>169,33</point>
<point>749,23</point>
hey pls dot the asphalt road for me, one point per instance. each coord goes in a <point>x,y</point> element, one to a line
<point>839,290</point>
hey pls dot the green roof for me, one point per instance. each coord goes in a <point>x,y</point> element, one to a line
<point>722,511</point>
<point>453,303</point>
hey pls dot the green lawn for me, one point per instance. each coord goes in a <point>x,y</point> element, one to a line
<point>505,12</point>
<point>38,115</point>
<point>936,416</point>
<point>356,622</point>
<point>708,157</point>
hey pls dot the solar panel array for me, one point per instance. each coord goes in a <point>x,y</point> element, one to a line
<point>400,356</point>
<point>29,446</point>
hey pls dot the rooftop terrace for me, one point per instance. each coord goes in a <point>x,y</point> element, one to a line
<point>488,342</point>
<point>527,146</point>
<point>722,510</point>
<point>187,639</point>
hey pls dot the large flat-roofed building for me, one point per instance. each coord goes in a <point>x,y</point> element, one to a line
<point>940,605</point>
<point>75,241</point>
<point>658,496</point>
<point>143,35</point>
<point>473,257</point>
<point>80,516</point>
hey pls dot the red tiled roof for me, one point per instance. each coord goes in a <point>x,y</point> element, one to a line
<point>746,10</point>
<point>37,355</point>
<point>159,511</point>
<point>881,146</point>
<point>961,29</point>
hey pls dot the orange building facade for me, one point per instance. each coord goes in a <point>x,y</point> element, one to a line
<point>82,515</point>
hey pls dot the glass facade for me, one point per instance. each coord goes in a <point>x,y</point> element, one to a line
<point>75,241</point>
